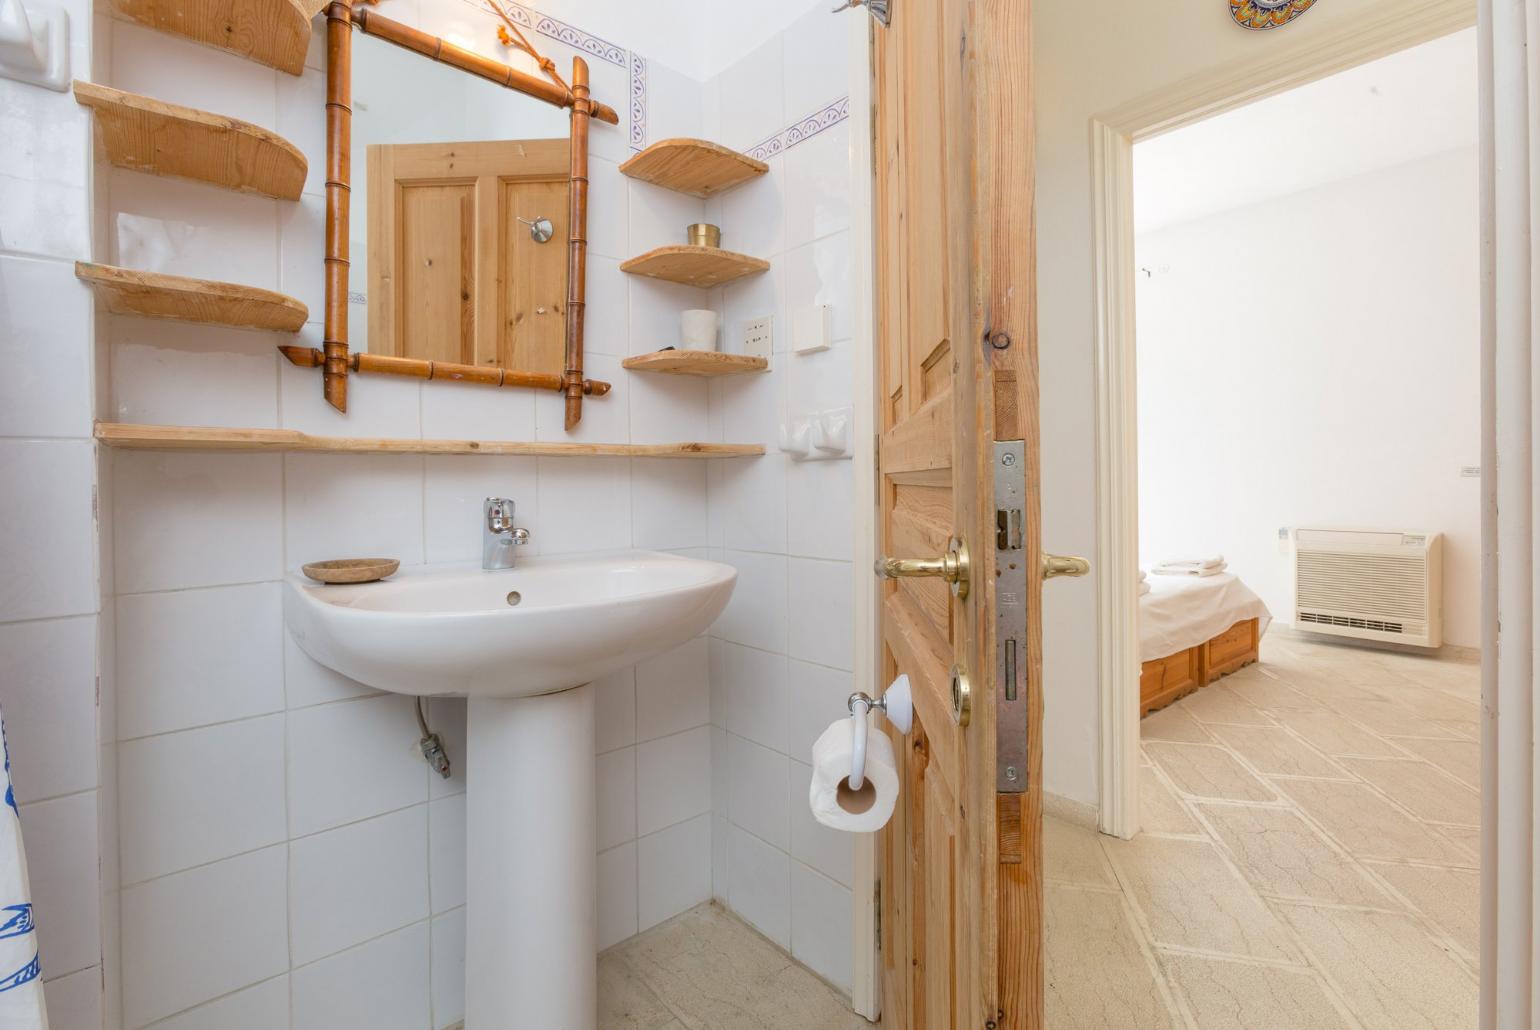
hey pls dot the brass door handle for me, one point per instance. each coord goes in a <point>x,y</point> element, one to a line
<point>1064,565</point>
<point>953,567</point>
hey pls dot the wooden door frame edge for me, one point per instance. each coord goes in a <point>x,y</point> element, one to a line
<point>866,980</point>
<point>1364,38</point>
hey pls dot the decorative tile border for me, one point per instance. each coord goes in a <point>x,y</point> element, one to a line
<point>802,129</point>
<point>638,101</point>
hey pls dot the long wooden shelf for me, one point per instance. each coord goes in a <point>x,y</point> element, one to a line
<point>149,135</point>
<point>694,166</point>
<point>201,438</point>
<point>182,299</point>
<point>695,266</point>
<point>696,363</point>
<point>272,32</point>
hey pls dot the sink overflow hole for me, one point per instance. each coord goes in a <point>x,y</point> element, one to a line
<point>514,597</point>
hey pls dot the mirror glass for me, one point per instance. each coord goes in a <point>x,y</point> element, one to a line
<point>459,215</point>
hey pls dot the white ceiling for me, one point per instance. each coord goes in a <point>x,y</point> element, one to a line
<point>1410,105</point>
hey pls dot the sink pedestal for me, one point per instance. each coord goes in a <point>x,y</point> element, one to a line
<point>531,924</point>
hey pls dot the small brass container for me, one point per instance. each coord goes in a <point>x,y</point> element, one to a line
<point>703,234</point>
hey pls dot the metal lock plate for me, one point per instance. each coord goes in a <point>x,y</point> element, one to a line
<point>1011,583</point>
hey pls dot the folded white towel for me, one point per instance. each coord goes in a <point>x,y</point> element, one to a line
<point>1213,561</point>
<point>1176,570</point>
<point>1144,588</point>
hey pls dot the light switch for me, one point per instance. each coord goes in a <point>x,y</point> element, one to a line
<point>811,327</point>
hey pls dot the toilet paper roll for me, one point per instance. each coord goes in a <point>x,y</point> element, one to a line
<point>829,796</point>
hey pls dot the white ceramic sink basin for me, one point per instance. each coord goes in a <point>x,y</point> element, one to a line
<point>549,624</point>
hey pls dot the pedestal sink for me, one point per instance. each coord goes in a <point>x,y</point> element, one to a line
<point>524,645</point>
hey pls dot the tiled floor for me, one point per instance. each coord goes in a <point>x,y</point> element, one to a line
<point>1308,860</point>
<point>707,970</point>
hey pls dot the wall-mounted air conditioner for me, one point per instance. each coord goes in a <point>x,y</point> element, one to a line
<point>1372,585</point>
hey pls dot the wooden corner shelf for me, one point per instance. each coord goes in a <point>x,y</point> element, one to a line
<point>696,363</point>
<point>694,166</point>
<point>272,32</point>
<point>177,297</point>
<point>201,438</point>
<point>695,266</point>
<point>149,135</point>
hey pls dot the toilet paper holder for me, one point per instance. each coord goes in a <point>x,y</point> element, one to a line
<point>897,703</point>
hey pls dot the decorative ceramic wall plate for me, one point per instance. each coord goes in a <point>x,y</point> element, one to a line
<point>1267,14</point>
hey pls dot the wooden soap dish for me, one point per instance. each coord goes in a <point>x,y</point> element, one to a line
<point>351,570</point>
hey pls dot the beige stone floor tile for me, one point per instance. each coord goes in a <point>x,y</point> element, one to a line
<point>1217,703</point>
<point>1366,824</point>
<point>1204,770</point>
<point>625,1002</point>
<point>1160,810</point>
<point>1274,751</point>
<point>1243,996</point>
<point>1330,688</point>
<point>1190,898</point>
<point>1270,694</point>
<point>1468,837</point>
<point>1390,719</point>
<point>1173,723</point>
<point>1449,897</point>
<point>1281,855</point>
<point>1329,732</point>
<point>1460,729</point>
<point>1431,703</point>
<point>1459,758</point>
<point>1422,789</point>
<point>1096,974</point>
<point>1392,976</point>
<point>1073,854</point>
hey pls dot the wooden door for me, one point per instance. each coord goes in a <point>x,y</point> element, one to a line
<point>454,275</point>
<point>960,863</point>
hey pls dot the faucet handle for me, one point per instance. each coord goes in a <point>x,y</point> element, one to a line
<point>499,514</point>
<point>521,536</point>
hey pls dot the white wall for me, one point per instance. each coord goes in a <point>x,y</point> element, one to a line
<point>1312,361</point>
<point>1089,59</point>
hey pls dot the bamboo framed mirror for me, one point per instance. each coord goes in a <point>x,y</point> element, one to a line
<point>456,210</point>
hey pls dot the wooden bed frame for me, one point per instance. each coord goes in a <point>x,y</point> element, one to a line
<point>1168,679</point>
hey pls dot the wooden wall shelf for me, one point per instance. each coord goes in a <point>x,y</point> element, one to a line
<point>199,438</point>
<point>272,32</point>
<point>149,135</point>
<point>696,363</point>
<point>694,166</point>
<point>177,297</point>
<point>695,266</point>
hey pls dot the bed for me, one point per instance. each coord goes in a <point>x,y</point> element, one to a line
<point>1192,631</point>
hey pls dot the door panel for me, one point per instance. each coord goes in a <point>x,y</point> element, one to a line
<point>960,861</point>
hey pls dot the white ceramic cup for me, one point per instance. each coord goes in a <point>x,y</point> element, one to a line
<point>698,329</point>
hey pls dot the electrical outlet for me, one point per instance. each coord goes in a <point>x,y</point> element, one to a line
<point>756,337</point>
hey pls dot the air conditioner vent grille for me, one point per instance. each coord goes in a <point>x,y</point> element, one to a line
<point>1384,587</point>
<point>1344,620</point>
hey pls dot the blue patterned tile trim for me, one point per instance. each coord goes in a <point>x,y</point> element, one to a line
<point>802,129</point>
<point>638,102</point>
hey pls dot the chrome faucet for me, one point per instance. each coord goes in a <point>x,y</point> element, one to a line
<point>498,535</point>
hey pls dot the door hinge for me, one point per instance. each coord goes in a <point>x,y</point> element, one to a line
<point>877,904</point>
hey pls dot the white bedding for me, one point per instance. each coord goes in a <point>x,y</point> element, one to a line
<point>1183,611</point>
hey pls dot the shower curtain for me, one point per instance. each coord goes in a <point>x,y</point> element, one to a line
<point>21,983</point>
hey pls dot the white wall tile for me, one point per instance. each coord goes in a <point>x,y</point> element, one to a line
<point>45,333</point>
<point>353,505</point>
<point>673,779</point>
<point>757,699</point>
<point>446,853</point>
<point>465,411</point>
<point>44,202</point>
<point>673,103</point>
<point>756,613</point>
<point>605,419</point>
<point>301,244</point>
<point>616,775</point>
<point>821,925</point>
<point>819,273</point>
<point>378,405</point>
<point>721,772</point>
<point>720,678</point>
<point>720,874</point>
<point>758,778</point>
<point>821,630</point>
<point>585,504</point>
<point>380,985</point>
<point>178,947</point>
<point>615,711</point>
<point>760,884</point>
<point>668,501</point>
<point>307,682</point>
<point>456,487</point>
<point>606,316</point>
<point>754,214</point>
<point>446,717</point>
<point>820,381</point>
<point>750,299</point>
<point>752,91</point>
<point>655,307</point>
<point>178,516</point>
<point>448,973</point>
<point>815,65</point>
<point>301,119</point>
<point>263,1007</point>
<point>194,657</point>
<point>659,217</point>
<point>50,548</point>
<point>673,870</point>
<point>829,851</point>
<point>818,177</point>
<point>608,212</point>
<point>173,69</point>
<point>183,227</point>
<point>617,894</point>
<point>668,409</point>
<point>75,1000</point>
<point>673,691</point>
<point>818,694</point>
<point>357,882</point>
<point>353,760</point>
<point>61,841</point>
<point>162,371</point>
<point>48,694</point>
<point>200,795</point>
<point>819,509</point>
<point>752,409</point>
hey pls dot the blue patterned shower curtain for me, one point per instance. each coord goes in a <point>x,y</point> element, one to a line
<point>21,982</point>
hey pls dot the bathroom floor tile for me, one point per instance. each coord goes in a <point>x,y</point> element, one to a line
<point>1073,854</point>
<point>1283,856</point>
<point>1205,771</point>
<point>1174,723</point>
<point>1241,996</point>
<point>1097,975</point>
<point>1422,789</point>
<point>1449,897</point>
<point>1160,810</point>
<point>1364,823</point>
<point>1274,751</point>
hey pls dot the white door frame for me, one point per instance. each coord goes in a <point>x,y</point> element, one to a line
<point>1113,135</point>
